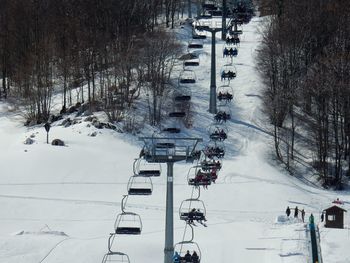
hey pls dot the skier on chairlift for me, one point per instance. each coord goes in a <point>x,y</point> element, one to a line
<point>194,257</point>
<point>176,257</point>
<point>188,257</point>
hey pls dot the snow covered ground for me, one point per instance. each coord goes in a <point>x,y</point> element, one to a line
<point>59,204</point>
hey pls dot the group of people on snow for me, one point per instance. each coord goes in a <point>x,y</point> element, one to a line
<point>296,212</point>
<point>188,258</point>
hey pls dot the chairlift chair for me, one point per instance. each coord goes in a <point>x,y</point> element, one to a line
<point>190,246</point>
<point>143,168</point>
<point>209,165</point>
<point>233,40</point>
<point>140,185</point>
<point>214,149</point>
<point>228,72</point>
<point>187,77</point>
<point>115,257</point>
<point>195,44</point>
<point>192,210</point>
<point>128,223</point>
<point>225,93</point>
<point>182,94</point>
<point>230,52</point>
<point>196,178</point>
<point>222,116</point>
<point>218,132</point>
<point>197,34</point>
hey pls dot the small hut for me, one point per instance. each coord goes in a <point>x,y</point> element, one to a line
<point>334,217</point>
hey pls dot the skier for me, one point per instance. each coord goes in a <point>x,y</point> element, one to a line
<point>296,212</point>
<point>303,214</point>
<point>322,217</point>
<point>188,257</point>
<point>176,257</point>
<point>195,257</point>
<point>288,211</point>
<point>311,219</point>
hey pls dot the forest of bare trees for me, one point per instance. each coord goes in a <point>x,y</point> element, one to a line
<point>112,48</point>
<point>304,62</point>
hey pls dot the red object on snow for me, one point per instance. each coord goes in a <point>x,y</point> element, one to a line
<point>338,202</point>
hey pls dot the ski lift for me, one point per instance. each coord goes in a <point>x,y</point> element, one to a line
<point>182,94</point>
<point>225,93</point>
<point>197,178</point>
<point>195,43</point>
<point>197,34</point>
<point>214,149</point>
<point>188,246</point>
<point>230,52</point>
<point>209,165</point>
<point>217,132</point>
<point>143,168</point>
<point>233,40</point>
<point>190,59</point>
<point>192,210</point>
<point>127,223</point>
<point>115,257</point>
<point>228,72</point>
<point>187,77</point>
<point>140,185</point>
<point>222,116</point>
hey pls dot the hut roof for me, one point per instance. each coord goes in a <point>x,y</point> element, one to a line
<point>335,207</point>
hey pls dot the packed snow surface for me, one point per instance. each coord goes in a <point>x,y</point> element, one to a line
<point>59,204</point>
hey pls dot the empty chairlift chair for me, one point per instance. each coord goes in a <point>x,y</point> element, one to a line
<point>195,44</point>
<point>139,185</point>
<point>190,59</point>
<point>128,223</point>
<point>143,168</point>
<point>196,177</point>
<point>187,77</point>
<point>210,165</point>
<point>115,257</point>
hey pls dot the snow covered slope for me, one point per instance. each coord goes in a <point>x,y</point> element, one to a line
<point>58,204</point>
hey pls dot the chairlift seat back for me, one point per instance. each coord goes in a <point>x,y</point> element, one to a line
<point>149,173</point>
<point>140,191</point>
<point>128,231</point>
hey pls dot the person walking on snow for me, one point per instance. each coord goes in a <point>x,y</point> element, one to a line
<point>296,212</point>
<point>303,214</point>
<point>288,211</point>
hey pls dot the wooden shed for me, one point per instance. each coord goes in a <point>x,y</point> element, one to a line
<point>334,217</point>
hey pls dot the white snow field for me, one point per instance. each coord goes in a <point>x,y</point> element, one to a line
<point>59,204</point>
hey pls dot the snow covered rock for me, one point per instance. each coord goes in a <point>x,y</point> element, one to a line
<point>93,134</point>
<point>57,142</point>
<point>29,141</point>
